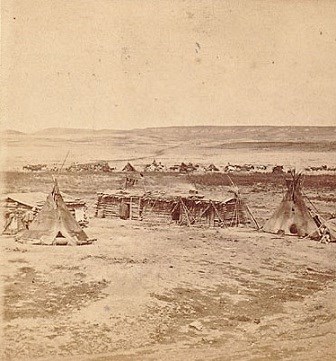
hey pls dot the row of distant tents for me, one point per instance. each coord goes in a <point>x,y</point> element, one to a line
<point>155,166</point>
<point>56,225</point>
<point>104,166</point>
<point>158,166</point>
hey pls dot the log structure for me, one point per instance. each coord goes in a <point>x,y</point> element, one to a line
<point>185,209</point>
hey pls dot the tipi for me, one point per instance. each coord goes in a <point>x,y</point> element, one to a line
<point>128,168</point>
<point>54,224</point>
<point>292,217</point>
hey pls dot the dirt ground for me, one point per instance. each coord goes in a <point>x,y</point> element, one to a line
<point>145,291</point>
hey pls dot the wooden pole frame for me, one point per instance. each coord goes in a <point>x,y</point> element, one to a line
<point>186,212</point>
<point>217,212</point>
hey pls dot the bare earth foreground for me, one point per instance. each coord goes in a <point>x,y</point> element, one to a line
<point>157,292</point>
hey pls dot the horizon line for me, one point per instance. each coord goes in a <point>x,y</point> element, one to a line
<point>169,126</point>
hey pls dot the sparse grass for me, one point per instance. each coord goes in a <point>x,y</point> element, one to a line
<point>91,182</point>
<point>250,179</point>
<point>280,146</point>
<point>27,295</point>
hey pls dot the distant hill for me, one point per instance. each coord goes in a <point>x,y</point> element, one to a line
<point>11,132</point>
<point>62,131</point>
<point>290,146</point>
<point>207,133</point>
<point>243,133</point>
<point>76,132</point>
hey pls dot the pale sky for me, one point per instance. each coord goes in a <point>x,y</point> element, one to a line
<point>126,64</point>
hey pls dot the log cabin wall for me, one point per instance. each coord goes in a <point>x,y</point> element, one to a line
<point>181,210</point>
<point>159,210</point>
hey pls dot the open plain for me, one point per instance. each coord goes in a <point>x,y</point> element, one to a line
<point>148,291</point>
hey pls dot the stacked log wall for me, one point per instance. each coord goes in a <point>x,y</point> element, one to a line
<point>159,210</point>
<point>108,207</point>
<point>202,213</point>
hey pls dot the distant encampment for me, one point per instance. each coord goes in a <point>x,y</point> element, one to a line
<point>101,166</point>
<point>183,168</point>
<point>155,167</point>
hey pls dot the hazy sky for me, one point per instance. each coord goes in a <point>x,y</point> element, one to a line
<point>128,64</point>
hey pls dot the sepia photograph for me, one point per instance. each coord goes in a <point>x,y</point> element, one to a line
<point>168,180</point>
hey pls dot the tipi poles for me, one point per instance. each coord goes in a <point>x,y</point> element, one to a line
<point>64,161</point>
<point>217,212</point>
<point>234,217</point>
<point>199,216</point>
<point>231,181</point>
<point>152,206</point>
<point>144,182</point>
<point>130,209</point>
<point>316,210</point>
<point>237,212</point>
<point>251,215</point>
<point>205,210</point>
<point>176,205</point>
<point>186,212</point>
